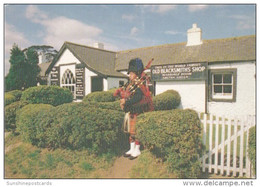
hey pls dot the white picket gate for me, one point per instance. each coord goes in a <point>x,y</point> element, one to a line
<point>226,142</point>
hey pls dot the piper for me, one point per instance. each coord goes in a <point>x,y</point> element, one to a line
<point>135,99</point>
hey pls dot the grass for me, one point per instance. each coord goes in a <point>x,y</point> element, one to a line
<point>148,166</point>
<point>27,161</point>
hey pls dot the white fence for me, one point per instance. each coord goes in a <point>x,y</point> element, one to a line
<point>226,142</point>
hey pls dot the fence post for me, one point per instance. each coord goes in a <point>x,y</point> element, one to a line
<point>241,149</point>
<point>229,147</point>
<point>204,140</point>
<point>222,145</point>
<point>216,144</point>
<point>235,148</point>
<point>210,142</point>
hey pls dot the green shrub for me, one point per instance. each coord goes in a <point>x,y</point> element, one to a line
<point>252,147</point>
<point>16,93</point>
<point>81,125</point>
<point>9,98</point>
<point>74,126</point>
<point>10,114</point>
<point>53,95</point>
<point>167,100</point>
<point>109,105</point>
<point>175,137</point>
<point>27,120</point>
<point>12,96</point>
<point>101,96</point>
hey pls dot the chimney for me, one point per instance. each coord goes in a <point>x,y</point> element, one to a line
<point>40,57</point>
<point>194,36</point>
<point>98,45</point>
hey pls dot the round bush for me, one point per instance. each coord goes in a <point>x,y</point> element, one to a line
<point>10,114</point>
<point>27,120</point>
<point>175,137</point>
<point>80,125</point>
<point>167,100</point>
<point>252,147</point>
<point>109,105</point>
<point>12,96</point>
<point>77,126</point>
<point>16,93</point>
<point>9,98</point>
<point>101,96</point>
<point>53,95</point>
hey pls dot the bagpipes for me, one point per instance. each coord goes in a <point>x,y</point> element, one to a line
<point>128,89</point>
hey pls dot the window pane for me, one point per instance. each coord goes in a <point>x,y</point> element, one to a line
<point>228,89</point>
<point>217,78</point>
<point>227,78</point>
<point>217,89</point>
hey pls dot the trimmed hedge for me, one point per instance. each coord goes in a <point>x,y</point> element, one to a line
<point>27,120</point>
<point>9,98</point>
<point>10,114</point>
<point>174,137</point>
<point>100,96</point>
<point>16,93</point>
<point>75,126</point>
<point>109,105</point>
<point>167,100</point>
<point>12,96</point>
<point>252,147</point>
<point>53,95</point>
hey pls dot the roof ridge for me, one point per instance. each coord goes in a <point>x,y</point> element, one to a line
<point>81,45</point>
<point>180,43</point>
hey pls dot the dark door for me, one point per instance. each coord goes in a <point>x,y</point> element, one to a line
<point>96,84</point>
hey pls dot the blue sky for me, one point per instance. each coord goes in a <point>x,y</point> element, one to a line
<point>121,27</point>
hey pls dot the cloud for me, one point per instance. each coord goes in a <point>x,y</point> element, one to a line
<point>160,9</point>
<point>173,32</point>
<point>62,29</point>
<point>57,30</point>
<point>195,8</point>
<point>134,31</point>
<point>128,17</point>
<point>35,14</point>
<point>13,36</point>
<point>244,22</point>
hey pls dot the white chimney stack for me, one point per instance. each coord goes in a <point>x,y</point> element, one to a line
<point>194,36</point>
<point>99,45</point>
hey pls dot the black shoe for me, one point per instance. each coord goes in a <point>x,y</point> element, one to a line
<point>132,157</point>
<point>127,155</point>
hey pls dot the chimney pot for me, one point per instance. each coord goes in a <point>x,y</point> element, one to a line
<point>194,36</point>
<point>98,45</point>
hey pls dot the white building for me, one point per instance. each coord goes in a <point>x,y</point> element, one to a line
<point>84,69</point>
<point>213,76</point>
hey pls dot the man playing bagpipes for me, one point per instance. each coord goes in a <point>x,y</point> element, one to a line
<point>135,99</point>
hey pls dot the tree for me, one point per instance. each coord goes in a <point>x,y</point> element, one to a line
<point>23,71</point>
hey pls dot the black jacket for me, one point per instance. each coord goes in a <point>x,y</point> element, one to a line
<point>131,104</point>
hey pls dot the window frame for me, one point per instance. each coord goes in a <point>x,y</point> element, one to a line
<point>233,72</point>
<point>71,86</point>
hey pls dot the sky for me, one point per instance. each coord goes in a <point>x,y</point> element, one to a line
<point>121,26</point>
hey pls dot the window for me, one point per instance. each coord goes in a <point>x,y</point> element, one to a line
<point>68,81</point>
<point>121,83</point>
<point>96,84</point>
<point>222,84</point>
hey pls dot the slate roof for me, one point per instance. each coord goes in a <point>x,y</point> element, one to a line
<point>218,50</point>
<point>44,67</point>
<point>107,63</point>
<point>101,62</point>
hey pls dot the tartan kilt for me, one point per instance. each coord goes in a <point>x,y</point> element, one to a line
<point>129,123</point>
